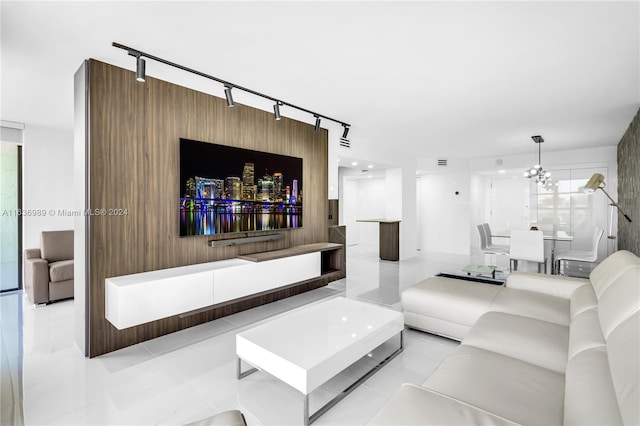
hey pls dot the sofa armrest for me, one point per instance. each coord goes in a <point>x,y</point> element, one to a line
<point>36,279</point>
<point>553,285</point>
<point>32,253</point>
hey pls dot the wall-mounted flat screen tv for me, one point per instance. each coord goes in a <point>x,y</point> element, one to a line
<point>225,189</point>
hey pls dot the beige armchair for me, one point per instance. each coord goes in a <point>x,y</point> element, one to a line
<point>48,271</point>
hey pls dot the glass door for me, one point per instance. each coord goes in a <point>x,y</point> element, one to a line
<point>10,220</point>
<point>509,205</point>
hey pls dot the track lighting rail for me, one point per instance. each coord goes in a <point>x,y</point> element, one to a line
<point>227,84</point>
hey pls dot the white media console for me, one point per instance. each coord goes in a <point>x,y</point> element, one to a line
<point>136,299</point>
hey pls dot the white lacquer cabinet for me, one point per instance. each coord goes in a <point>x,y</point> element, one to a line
<point>136,299</point>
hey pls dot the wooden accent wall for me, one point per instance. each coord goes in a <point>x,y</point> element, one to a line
<point>134,136</point>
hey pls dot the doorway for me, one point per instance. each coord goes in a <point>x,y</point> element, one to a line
<point>10,216</point>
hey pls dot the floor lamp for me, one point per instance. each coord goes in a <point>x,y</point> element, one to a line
<point>597,182</point>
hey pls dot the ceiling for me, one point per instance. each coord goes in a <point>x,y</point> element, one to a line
<point>446,79</point>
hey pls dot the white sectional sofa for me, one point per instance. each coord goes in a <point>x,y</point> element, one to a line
<point>542,350</point>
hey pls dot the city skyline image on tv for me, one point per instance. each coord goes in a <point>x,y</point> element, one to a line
<point>226,189</point>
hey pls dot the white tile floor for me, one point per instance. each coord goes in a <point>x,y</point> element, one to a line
<point>191,374</point>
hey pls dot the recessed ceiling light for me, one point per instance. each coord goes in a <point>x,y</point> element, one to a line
<point>354,163</point>
<point>502,171</point>
<point>370,166</point>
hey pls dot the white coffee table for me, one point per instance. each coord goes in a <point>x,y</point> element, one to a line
<point>307,347</point>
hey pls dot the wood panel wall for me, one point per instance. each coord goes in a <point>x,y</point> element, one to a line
<point>134,136</point>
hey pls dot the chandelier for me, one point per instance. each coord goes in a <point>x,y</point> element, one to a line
<point>537,172</point>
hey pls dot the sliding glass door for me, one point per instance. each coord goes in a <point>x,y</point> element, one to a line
<point>10,220</point>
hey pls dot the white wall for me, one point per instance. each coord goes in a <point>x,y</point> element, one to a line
<point>363,199</point>
<point>48,181</point>
<point>444,215</point>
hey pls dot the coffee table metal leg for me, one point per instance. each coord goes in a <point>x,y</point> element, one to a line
<point>310,419</point>
<point>240,374</point>
<point>307,420</point>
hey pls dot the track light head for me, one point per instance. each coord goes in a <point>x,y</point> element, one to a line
<point>140,69</point>
<point>345,132</point>
<point>227,94</point>
<point>276,110</point>
<point>317,126</point>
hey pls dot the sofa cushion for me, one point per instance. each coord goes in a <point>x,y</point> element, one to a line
<point>623,350</point>
<point>56,245</point>
<point>446,328</point>
<point>589,395</point>
<point>585,333</point>
<point>620,300</point>
<point>582,299</point>
<point>510,388</point>
<point>553,285</point>
<point>611,268</point>
<point>533,305</point>
<point>459,301</point>
<point>225,418</point>
<point>534,341</point>
<point>61,271</point>
<point>412,405</point>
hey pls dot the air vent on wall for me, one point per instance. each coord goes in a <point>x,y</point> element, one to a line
<point>345,143</point>
<point>442,162</point>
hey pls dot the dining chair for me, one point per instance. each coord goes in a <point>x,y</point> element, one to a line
<point>589,256</point>
<point>527,246</point>
<point>490,251</point>
<point>484,246</point>
<point>490,245</point>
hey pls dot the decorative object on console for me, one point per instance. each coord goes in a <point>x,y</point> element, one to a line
<point>597,182</point>
<point>542,178</point>
<point>228,86</point>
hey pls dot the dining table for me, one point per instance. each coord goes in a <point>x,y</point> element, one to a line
<point>552,236</point>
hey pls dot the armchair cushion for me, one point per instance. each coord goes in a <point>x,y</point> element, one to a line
<point>33,253</point>
<point>61,270</point>
<point>57,245</point>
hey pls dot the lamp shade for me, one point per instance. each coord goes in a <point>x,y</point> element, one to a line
<point>594,183</point>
